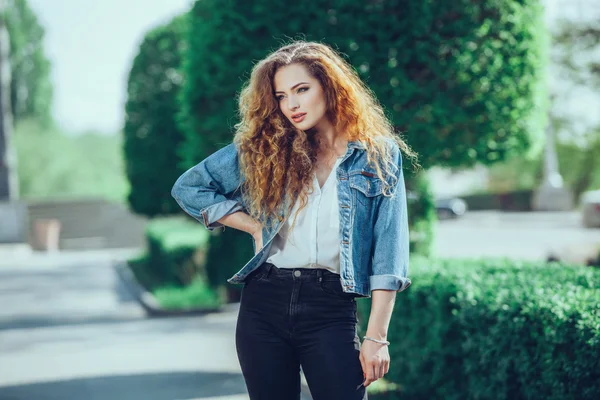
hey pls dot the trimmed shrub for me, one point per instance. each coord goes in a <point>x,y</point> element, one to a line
<point>494,329</point>
<point>463,80</point>
<point>151,133</point>
<point>229,250</point>
<point>196,295</point>
<point>176,250</point>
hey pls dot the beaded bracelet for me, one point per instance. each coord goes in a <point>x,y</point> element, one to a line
<point>377,341</point>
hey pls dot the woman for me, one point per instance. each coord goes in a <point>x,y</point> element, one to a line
<point>314,174</point>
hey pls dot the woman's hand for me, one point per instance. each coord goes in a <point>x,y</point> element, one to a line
<point>375,361</point>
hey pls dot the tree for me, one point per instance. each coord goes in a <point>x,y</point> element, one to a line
<point>8,178</point>
<point>31,89</point>
<point>577,45</point>
<point>463,80</point>
<point>151,133</point>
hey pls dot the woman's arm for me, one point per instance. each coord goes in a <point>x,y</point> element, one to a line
<point>241,221</point>
<point>389,274</point>
<point>375,357</point>
<point>382,305</point>
<point>390,237</point>
<point>207,191</point>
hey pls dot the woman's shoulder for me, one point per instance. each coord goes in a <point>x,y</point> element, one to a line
<point>391,145</point>
<point>223,161</point>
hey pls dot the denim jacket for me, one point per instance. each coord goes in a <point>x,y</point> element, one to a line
<point>373,235</point>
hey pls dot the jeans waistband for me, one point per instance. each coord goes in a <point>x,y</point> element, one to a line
<point>303,274</point>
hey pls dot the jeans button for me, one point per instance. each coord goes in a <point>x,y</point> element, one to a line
<point>297,273</point>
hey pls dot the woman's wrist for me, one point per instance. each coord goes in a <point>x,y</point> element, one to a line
<point>384,342</point>
<point>376,334</point>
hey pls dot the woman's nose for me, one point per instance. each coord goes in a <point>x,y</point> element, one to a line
<point>293,104</point>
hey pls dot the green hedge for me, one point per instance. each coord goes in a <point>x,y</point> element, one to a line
<point>176,250</point>
<point>173,266</point>
<point>229,250</point>
<point>495,330</point>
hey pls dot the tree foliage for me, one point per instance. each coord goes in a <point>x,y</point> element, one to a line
<point>579,43</point>
<point>577,50</point>
<point>462,80</point>
<point>31,89</point>
<point>151,134</point>
<point>53,164</point>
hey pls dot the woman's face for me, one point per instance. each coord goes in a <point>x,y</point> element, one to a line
<point>300,96</point>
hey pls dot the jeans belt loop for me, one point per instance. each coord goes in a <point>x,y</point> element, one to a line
<point>319,275</point>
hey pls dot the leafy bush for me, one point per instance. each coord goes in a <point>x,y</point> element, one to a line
<point>173,267</point>
<point>151,134</point>
<point>496,329</point>
<point>176,250</point>
<point>196,295</point>
<point>462,79</point>
<point>229,250</point>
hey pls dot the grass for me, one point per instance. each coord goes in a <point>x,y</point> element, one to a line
<point>196,295</point>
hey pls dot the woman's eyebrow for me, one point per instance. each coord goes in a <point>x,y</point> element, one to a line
<point>292,88</point>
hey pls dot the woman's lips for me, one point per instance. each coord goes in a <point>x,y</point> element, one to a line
<point>299,118</point>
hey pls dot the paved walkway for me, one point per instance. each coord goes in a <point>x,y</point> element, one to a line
<point>70,330</point>
<point>517,235</point>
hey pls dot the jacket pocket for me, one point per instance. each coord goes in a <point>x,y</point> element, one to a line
<point>367,183</point>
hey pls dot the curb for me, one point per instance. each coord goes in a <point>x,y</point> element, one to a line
<point>147,300</point>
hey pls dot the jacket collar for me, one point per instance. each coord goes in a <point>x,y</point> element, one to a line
<point>352,144</point>
<point>356,144</point>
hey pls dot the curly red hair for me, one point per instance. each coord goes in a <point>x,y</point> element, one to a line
<point>278,159</point>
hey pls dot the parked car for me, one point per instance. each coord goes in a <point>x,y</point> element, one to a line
<point>452,207</point>
<point>590,209</point>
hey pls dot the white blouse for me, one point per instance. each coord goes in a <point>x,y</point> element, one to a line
<point>314,242</point>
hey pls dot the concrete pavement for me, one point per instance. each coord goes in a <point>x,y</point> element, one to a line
<point>73,331</point>
<point>516,235</point>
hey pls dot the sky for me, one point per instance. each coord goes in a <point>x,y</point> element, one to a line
<point>92,43</point>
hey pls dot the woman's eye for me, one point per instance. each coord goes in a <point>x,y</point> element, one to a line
<point>279,98</point>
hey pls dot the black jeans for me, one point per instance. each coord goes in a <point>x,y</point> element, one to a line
<point>298,317</point>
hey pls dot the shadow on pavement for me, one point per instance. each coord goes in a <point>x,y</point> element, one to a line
<point>151,386</point>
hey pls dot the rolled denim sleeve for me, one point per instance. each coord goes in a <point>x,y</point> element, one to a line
<point>390,237</point>
<point>206,191</point>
